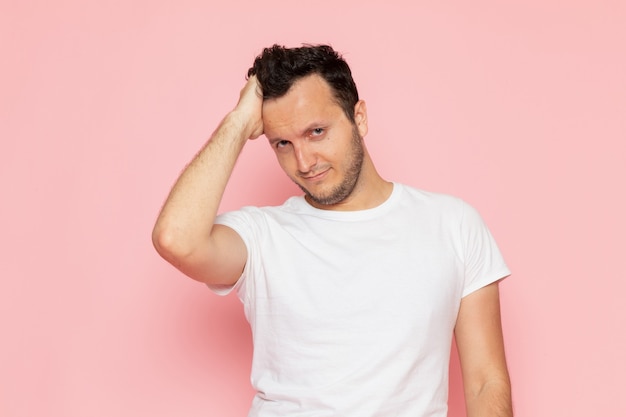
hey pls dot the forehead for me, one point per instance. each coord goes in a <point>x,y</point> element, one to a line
<point>309,100</point>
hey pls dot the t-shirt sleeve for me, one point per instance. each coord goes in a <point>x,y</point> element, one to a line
<point>239,222</point>
<point>484,263</point>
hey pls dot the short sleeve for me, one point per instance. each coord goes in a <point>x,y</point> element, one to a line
<point>240,222</point>
<point>483,261</point>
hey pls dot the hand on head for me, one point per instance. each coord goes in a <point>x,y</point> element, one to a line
<point>250,106</point>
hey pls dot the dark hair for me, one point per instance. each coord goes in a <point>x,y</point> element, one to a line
<point>277,68</point>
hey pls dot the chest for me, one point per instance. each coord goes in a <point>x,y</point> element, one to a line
<point>371,278</point>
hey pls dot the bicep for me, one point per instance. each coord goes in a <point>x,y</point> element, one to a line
<point>479,338</point>
<point>220,261</point>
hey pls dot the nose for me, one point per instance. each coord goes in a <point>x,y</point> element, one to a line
<point>305,158</point>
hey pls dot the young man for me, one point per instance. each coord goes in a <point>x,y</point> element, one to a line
<point>354,290</point>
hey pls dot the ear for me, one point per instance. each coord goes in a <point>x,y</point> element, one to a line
<point>360,117</point>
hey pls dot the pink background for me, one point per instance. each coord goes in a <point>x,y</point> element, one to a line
<point>519,108</point>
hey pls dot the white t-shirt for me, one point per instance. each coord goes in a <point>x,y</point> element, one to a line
<point>352,313</point>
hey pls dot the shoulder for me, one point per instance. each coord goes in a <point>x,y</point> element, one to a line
<point>445,210</point>
<point>429,200</point>
<point>255,215</point>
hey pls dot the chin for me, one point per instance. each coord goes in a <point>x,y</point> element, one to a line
<point>336,196</point>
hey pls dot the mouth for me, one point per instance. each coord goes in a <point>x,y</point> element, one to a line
<point>316,177</point>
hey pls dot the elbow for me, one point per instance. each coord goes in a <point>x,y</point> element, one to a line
<point>168,244</point>
<point>160,239</point>
<point>492,399</point>
<point>193,255</point>
<point>177,250</point>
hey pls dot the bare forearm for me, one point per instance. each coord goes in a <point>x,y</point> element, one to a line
<point>492,400</point>
<point>190,209</point>
<point>481,352</point>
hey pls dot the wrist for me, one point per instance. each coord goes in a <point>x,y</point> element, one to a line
<point>250,125</point>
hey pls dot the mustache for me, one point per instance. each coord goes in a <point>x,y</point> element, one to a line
<point>316,170</point>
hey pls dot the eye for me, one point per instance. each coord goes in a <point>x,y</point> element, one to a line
<point>317,131</point>
<point>282,143</point>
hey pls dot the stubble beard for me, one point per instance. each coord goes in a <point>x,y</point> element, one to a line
<point>344,189</point>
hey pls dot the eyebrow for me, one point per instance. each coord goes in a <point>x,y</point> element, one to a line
<point>311,126</point>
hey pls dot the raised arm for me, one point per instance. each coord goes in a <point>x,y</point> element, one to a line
<point>184,233</point>
<point>481,352</point>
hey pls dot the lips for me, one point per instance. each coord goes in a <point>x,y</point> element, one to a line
<point>317,176</point>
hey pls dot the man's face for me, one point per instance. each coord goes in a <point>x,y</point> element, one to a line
<point>316,144</point>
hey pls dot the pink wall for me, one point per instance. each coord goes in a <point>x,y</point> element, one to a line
<point>518,108</point>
